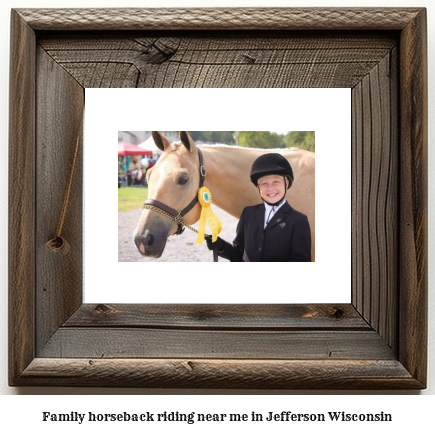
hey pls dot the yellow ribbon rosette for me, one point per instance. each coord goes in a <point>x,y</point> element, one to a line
<point>207,215</point>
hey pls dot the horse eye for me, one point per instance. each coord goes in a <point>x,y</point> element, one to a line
<point>182,179</point>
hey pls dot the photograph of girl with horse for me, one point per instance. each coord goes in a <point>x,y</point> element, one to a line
<point>278,182</point>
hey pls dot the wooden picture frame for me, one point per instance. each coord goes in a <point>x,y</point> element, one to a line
<point>377,341</point>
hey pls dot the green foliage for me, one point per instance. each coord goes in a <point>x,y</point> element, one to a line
<point>131,197</point>
<point>261,139</point>
<point>226,137</point>
<point>258,139</point>
<point>301,140</point>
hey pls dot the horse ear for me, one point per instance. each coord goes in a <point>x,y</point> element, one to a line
<point>160,140</point>
<point>187,141</point>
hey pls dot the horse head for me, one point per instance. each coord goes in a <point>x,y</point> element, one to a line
<point>174,182</point>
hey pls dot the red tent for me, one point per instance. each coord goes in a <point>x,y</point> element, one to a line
<point>130,149</point>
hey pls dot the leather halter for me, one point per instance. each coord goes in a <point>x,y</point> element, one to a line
<point>178,215</point>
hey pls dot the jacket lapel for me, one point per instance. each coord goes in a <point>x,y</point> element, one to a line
<point>259,216</point>
<point>279,216</point>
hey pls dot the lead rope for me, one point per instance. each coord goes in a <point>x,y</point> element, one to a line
<point>179,220</point>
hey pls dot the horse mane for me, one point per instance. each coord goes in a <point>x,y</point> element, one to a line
<point>176,145</point>
<point>222,145</point>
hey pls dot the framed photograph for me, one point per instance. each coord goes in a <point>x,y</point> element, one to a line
<point>129,276</point>
<point>375,341</point>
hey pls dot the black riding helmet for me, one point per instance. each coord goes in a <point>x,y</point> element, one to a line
<point>271,164</point>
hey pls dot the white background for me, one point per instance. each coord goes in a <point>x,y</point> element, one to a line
<point>412,412</point>
<point>325,111</point>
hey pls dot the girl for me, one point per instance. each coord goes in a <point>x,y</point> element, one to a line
<point>272,231</point>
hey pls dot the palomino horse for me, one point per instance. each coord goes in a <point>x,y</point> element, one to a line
<point>174,181</point>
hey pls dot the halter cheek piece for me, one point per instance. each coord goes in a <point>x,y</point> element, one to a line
<point>171,212</point>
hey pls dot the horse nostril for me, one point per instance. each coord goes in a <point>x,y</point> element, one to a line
<point>149,239</point>
<point>145,241</point>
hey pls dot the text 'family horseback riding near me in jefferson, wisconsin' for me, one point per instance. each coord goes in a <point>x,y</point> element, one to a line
<point>193,417</point>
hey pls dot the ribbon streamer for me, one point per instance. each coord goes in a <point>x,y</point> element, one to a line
<point>207,215</point>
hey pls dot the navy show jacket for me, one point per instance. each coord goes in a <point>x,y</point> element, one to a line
<point>286,238</point>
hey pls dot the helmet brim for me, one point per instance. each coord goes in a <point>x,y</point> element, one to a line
<point>256,176</point>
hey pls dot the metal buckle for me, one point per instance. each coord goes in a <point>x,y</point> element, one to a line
<point>179,219</point>
<point>180,229</point>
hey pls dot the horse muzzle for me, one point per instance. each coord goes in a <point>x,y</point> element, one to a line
<point>152,233</point>
<point>149,244</point>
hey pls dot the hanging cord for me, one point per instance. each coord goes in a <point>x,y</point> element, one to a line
<point>58,244</point>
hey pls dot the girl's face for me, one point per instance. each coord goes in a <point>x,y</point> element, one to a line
<point>272,187</point>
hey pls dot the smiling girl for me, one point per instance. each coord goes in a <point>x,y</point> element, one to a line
<point>272,231</point>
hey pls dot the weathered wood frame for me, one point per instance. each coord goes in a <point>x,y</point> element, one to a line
<point>377,341</point>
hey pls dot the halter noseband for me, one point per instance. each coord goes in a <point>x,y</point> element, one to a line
<point>171,212</point>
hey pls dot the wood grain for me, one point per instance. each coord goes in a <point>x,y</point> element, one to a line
<point>220,317</point>
<point>60,105</point>
<point>235,60</point>
<point>22,230</point>
<point>375,197</point>
<point>413,188</point>
<point>220,18</point>
<point>377,342</point>
<point>227,374</point>
<point>147,342</point>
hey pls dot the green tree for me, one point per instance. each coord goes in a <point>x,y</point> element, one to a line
<point>226,137</point>
<point>260,139</point>
<point>301,140</point>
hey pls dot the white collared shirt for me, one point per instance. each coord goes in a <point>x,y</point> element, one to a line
<point>270,211</point>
